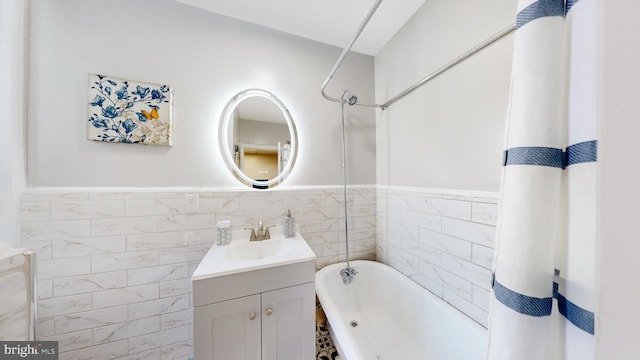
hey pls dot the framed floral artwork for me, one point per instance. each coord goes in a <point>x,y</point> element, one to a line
<point>127,111</point>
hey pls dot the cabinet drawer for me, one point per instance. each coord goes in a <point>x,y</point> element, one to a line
<point>217,289</point>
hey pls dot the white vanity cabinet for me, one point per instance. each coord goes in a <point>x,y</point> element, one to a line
<point>274,325</point>
<point>288,323</point>
<point>258,313</point>
<point>228,330</point>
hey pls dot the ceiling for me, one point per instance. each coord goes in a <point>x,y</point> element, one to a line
<point>329,21</point>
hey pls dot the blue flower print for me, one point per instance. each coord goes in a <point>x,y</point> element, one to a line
<point>123,93</point>
<point>157,95</point>
<point>97,101</point>
<point>129,125</point>
<point>141,117</point>
<point>141,91</point>
<point>98,123</point>
<point>111,112</point>
<point>117,121</point>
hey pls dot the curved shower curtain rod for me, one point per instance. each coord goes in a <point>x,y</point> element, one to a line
<point>499,35</point>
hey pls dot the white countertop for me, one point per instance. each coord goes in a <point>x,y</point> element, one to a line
<point>242,255</point>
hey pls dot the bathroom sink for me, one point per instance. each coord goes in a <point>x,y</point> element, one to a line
<point>257,249</point>
<point>242,255</point>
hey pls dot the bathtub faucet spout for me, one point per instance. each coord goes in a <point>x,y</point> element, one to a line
<point>347,275</point>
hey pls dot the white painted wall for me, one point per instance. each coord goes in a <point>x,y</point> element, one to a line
<point>262,132</point>
<point>207,59</point>
<point>12,156</point>
<point>449,133</point>
<point>618,229</point>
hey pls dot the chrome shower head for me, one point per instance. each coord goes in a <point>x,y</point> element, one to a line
<point>349,98</point>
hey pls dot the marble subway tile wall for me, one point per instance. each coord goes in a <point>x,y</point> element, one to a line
<point>443,240</point>
<point>16,282</point>
<point>114,267</point>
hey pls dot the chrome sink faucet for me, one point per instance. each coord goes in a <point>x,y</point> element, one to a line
<point>262,233</point>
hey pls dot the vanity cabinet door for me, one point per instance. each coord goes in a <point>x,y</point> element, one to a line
<point>228,330</point>
<point>288,323</point>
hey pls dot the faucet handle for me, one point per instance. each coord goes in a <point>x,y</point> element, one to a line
<point>266,234</point>
<point>253,236</point>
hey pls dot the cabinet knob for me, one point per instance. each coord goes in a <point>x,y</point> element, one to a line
<point>269,311</point>
<point>252,316</point>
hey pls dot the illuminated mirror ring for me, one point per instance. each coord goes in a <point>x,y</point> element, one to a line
<point>253,123</point>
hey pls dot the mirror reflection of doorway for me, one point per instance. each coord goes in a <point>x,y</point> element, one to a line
<point>261,166</point>
<point>262,162</point>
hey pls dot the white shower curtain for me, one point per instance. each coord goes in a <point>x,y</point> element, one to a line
<point>543,297</point>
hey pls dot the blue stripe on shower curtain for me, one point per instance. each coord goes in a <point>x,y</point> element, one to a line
<point>532,155</point>
<point>538,9</point>
<point>583,152</point>
<point>523,304</point>
<point>570,4</point>
<point>581,318</point>
<point>539,307</point>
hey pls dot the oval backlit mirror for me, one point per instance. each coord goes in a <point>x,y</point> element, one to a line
<point>258,138</point>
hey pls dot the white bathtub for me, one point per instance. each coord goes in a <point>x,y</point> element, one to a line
<point>396,318</point>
